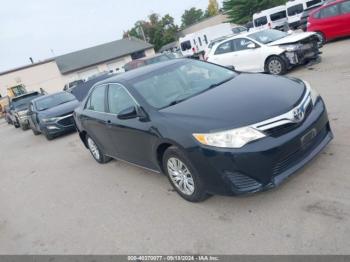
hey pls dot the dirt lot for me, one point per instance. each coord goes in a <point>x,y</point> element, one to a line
<point>55,199</point>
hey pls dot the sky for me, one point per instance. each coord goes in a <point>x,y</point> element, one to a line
<point>45,28</point>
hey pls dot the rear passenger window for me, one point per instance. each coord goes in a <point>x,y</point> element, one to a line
<point>330,11</point>
<point>345,7</point>
<point>96,101</point>
<point>224,48</point>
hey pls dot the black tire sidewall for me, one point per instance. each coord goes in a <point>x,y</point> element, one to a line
<point>199,193</point>
<point>283,65</point>
<point>103,158</point>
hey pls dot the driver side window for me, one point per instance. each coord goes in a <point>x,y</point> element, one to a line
<point>118,99</point>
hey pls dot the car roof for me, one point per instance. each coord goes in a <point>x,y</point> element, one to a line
<point>140,71</point>
<point>269,11</point>
<point>24,95</point>
<point>48,95</point>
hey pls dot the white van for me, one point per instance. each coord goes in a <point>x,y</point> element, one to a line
<point>295,9</point>
<point>271,18</point>
<point>194,44</point>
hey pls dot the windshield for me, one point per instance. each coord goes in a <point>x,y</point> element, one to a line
<point>54,100</point>
<point>180,81</point>
<point>268,36</point>
<point>19,102</point>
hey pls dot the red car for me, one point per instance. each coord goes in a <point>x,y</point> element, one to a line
<point>331,20</point>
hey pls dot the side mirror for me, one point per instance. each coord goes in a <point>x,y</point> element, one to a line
<point>251,46</point>
<point>231,67</point>
<point>128,113</point>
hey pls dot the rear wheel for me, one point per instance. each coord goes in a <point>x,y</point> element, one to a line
<point>275,65</point>
<point>183,176</point>
<point>96,151</point>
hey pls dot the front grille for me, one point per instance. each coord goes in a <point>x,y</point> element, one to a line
<point>68,121</point>
<point>291,158</point>
<point>286,128</point>
<point>243,182</point>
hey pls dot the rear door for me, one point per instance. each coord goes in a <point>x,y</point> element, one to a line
<point>94,119</point>
<point>345,18</point>
<point>244,58</point>
<point>223,54</point>
<point>133,138</point>
<point>330,21</point>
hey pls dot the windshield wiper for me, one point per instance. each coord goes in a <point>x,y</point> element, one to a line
<point>219,83</point>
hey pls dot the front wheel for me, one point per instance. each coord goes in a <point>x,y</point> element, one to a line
<point>16,123</point>
<point>96,152</point>
<point>183,176</point>
<point>321,39</point>
<point>275,65</point>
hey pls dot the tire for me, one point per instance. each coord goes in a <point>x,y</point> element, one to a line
<point>183,176</point>
<point>35,132</point>
<point>16,124</point>
<point>24,127</point>
<point>48,136</point>
<point>275,65</point>
<point>96,152</point>
<point>322,39</point>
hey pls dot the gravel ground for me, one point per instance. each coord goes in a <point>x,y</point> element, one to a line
<point>55,199</point>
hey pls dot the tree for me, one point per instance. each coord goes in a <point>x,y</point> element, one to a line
<point>157,30</point>
<point>213,8</point>
<point>191,16</point>
<point>241,11</point>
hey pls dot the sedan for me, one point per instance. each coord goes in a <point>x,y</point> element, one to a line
<point>269,51</point>
<point>209,129</point>
<point>52,115</point>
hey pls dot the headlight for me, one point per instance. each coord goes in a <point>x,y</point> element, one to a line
<point>313,92</point>
<point>52,119</point>
<point>291,48</point>
<point>235,138</point>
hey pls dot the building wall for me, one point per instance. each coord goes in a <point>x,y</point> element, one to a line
<point>48,76</point>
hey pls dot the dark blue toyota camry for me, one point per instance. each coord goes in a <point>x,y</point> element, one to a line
<point>209,129</point>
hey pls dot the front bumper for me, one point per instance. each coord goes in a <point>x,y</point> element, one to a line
<point>23,120</point>
<point>265,163</point>
<point>59,127</point>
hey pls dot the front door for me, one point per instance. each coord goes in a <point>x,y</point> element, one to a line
<point>132,138</point>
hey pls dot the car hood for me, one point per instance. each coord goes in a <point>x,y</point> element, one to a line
<point>60,110</point>
<point>247,99</point>
<point>293,38</point>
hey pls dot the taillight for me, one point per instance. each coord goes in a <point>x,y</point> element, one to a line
<point>193,49</point>
<point>269,24</point>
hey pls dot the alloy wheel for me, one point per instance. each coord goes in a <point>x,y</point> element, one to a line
<point>180,176</point>
<point>93,148</point>
<point>275,67</point>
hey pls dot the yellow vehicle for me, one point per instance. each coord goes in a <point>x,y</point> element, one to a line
<point>11,92</point>
<point>16,91</point>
